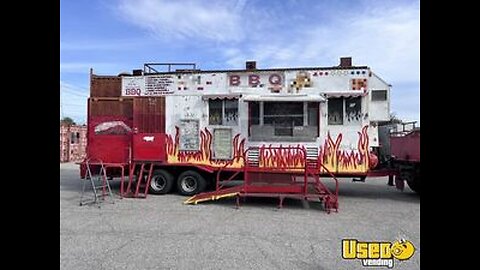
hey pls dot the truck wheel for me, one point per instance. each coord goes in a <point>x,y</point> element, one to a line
<point>414,183</point>
<point>161,182</point>
<point>190,183</point>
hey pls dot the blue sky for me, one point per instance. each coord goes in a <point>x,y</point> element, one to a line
<point>112,36</point>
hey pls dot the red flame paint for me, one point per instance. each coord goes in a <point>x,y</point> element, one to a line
<point>346,161</point>
<point>204,155</point>
<point>288,157</point>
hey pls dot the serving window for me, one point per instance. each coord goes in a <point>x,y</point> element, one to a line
<point>287,121</point>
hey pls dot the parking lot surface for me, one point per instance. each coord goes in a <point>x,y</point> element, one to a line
<point>161,233</point>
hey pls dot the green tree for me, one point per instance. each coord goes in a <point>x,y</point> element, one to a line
<point>394,119</point>
<point>67,121</point>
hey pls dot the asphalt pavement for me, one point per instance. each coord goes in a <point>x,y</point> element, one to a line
<point>160,232</point>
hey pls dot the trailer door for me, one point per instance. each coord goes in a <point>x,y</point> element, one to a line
<point>149,129</point>
<point>109,129</point>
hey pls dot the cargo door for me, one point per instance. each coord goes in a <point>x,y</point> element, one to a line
<point>149,129</point>
<point>109,129</point>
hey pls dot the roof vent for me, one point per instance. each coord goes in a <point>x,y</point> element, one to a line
<point>137,72</point>
<point>345,61</point>
<point>251,65</point>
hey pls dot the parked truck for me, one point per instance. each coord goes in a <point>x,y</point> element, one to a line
<point>405,155</point>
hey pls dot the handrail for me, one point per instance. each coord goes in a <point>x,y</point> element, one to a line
<point>306,169</point>
<point>217,187</point>
<point>332,175</point>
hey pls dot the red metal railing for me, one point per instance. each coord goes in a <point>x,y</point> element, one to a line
<point>331,200</point>
<point>284,166</point>
<point>217,184</point>
<point>331,175</point>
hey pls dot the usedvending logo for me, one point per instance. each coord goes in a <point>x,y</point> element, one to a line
<point>377,254</point>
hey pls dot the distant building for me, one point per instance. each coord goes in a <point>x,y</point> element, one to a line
<point>73,142</point>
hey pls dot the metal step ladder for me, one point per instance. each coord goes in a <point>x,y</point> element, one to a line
<point>98,181</point>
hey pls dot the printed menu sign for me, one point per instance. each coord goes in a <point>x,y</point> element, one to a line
<point>222,143</point>
<point>159,85</point>
<point>189,135</point>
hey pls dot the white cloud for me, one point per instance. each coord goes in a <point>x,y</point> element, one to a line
<point>213,20</point>
<point>382,35</point>
<point>385,38</point>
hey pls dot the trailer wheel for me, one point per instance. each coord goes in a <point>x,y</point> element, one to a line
<point>161,182</point>
<point>190,183</point>
<point>414,183</point>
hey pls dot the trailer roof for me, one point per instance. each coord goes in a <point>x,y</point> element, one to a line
<point>255,70</point>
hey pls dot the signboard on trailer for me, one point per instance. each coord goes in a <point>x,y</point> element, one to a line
<point>271,81</point>
<point>189,131</point>
<point>133,86</point>
<point>156,85</point>
<point>222,143</point>
<point>159,85</point>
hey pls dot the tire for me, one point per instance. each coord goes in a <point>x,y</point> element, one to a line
<point>190,183</point>
<point>161,182</point>
<point>414,183</point>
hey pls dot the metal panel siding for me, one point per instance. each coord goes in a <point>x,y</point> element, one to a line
<point>105,86</point>
<point>111,107</point>
<point>108,148</point>
<point>407,147</point>
<point>149,128</point>
<point>149,146</point>
<point>149,115</point>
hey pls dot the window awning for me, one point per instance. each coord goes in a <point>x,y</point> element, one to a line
<point>221,96</point>
<point>354,93</point>
<point>285,98</point>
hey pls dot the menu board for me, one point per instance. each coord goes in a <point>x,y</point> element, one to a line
<point>222,143</point>
<point>189,129</point>
<point>159,85</point>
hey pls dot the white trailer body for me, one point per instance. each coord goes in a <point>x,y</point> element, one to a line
<point>213,116</point>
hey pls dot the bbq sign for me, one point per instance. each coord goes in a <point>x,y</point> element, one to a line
<point>133,86</point>
<point>255,79</point>
<point>377,254</point>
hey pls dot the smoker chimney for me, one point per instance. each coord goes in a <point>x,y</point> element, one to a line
<point>137,72</point>
<point>345,61</point>
<point>251,65</point>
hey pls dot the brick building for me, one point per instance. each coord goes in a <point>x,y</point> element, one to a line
<point>73,141</point>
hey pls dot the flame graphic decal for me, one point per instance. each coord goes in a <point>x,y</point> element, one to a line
<point>343,161</point>
<point>204,155</point>
<point>287,157</point>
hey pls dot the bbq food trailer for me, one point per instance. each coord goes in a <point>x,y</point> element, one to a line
<point>276,132</point>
